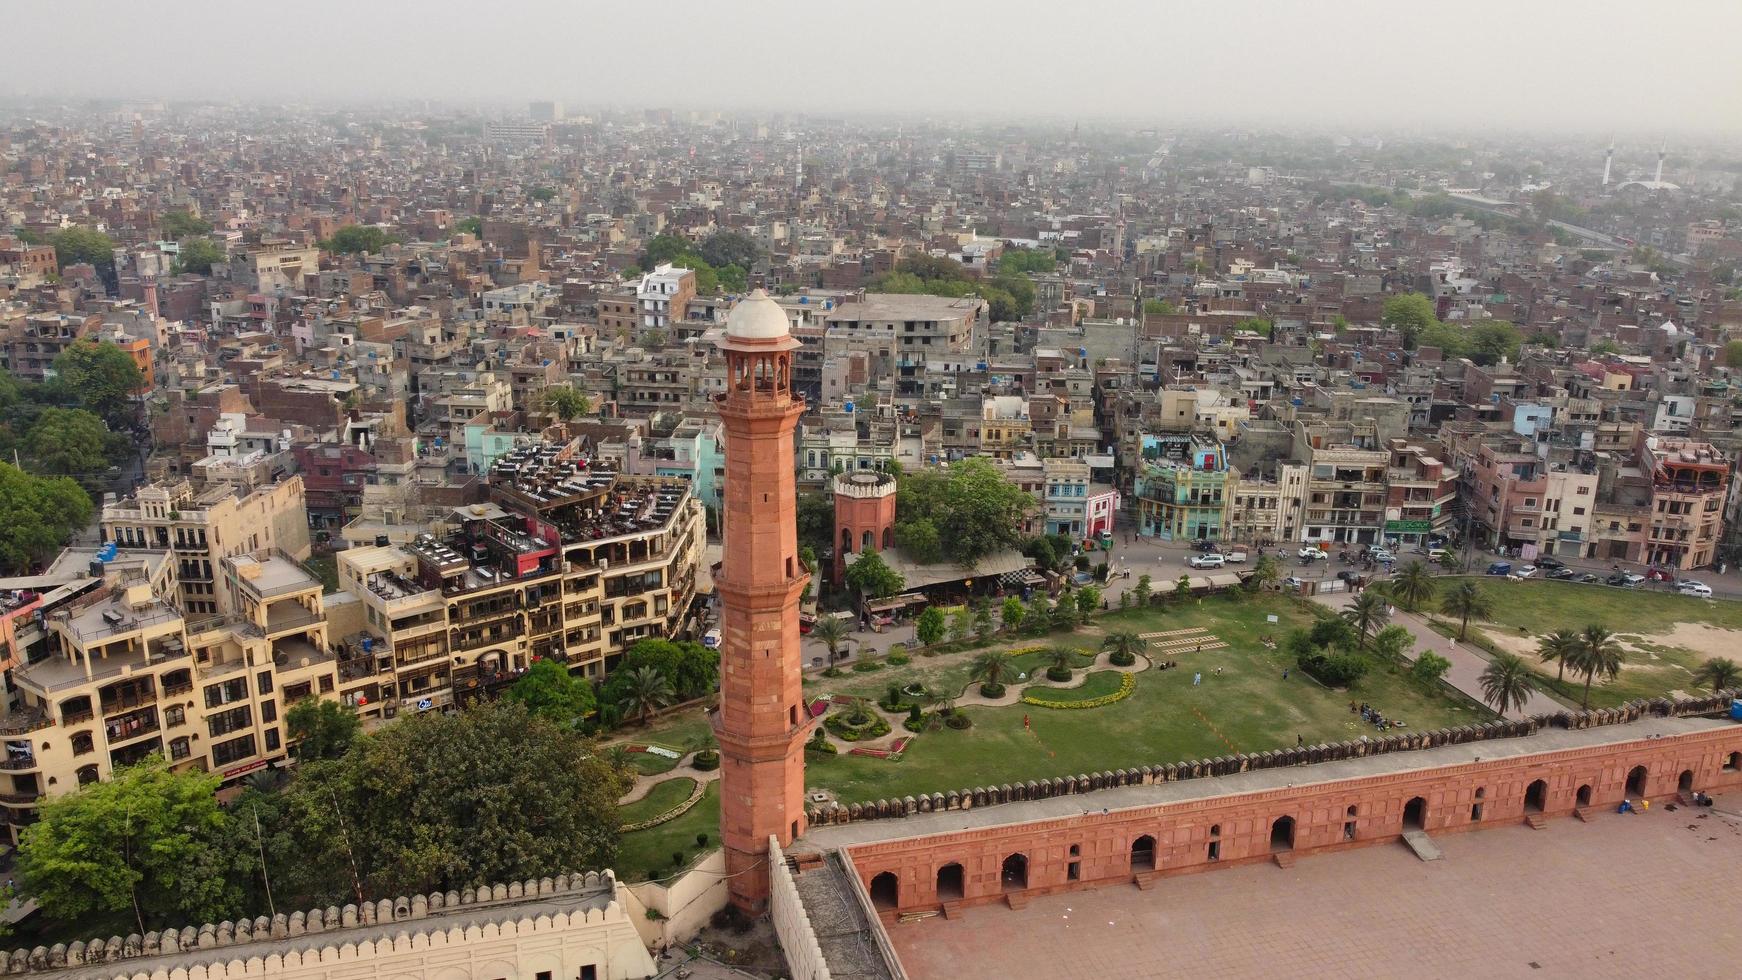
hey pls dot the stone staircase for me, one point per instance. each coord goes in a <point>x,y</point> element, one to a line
<point>1283,859</point>
<point>1536,821</point>
<point>1423,845</point>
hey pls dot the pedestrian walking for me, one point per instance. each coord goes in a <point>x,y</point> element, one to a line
<point>1298,740</point>
<point>1285,673</point>
<point>1197,679</point>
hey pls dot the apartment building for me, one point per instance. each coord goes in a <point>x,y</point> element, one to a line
<point>33,342</point>
<point>200,529</point>
<point>566,562</point>
<point>277,266</point>
<point>902,326</point>
<point>1421,493</point>
<point>1524,503</point>
<point>1265,505</point>
<point>1184,498</point>
<point>1690,482</point>
<point>1346,492</point>
<point>663,295</point>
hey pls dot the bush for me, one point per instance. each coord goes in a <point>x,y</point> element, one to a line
<point>991,690</point>
<point>915,725</point>
<point>821,745</point>
<point>1337,669</point>
<point>875,726</point>
<point>1060,674</point>
<point>899,659</point>
<point>832,672</point>
<point>701,840</point>
<point>913,713</point>
<point>677,859</point>
<point>867,666</point>
<point>706,760</point>
<point>1122,658</point>
<point>958,720</point>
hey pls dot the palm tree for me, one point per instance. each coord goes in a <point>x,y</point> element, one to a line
<point>1366,613</point>
<point>1413,585</point>
<point>1123,642</point>
<point>1061,659</point>
<point>1558,648</point>
<point>991,668</point>
<point>1264,574</point>
<point>1597,653</point>
<point>1720,672</point>
<point>645,691</point>
<point>833,632</point>
<point>1507,683</point>
<point>1465,601</point>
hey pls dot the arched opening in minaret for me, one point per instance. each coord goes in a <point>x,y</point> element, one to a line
<point>886,891</point>
<point>846,541</point>
<point>888,538</point>
<point>867,542</point>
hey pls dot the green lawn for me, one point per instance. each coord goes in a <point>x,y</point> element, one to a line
<point>1524,611</point>
<point>647,853</point>
<point>683,730</point>
<point>1250,707</point>
<point>662,797</point>
<point>651,763</point>
<point>1100,684</point>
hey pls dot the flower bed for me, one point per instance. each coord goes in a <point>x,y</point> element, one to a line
<point>893,752</point>
<point>672,814</point>
<point>1073,697</point>
<point>876,726</point>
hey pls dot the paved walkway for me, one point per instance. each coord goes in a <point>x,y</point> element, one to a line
<point>643,783</point>
<point>1621,896</point>
<point>1467,662</point>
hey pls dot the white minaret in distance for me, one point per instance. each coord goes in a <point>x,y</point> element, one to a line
<point>1608,159</point>
<point>1659,178</point>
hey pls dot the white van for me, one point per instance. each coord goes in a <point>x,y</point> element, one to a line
<point>1698,589</point>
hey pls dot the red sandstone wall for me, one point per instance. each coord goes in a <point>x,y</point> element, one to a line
<point>1241,824</point>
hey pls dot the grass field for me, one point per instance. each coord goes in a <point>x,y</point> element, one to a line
<point>647,853</point>
<point>1249,707</point>
<point>1666,636</point>
<point>1100,684</point>
<point>662,797</point>
<point>651,763</point>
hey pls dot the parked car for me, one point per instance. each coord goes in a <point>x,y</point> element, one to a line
<point>1380,554</point>
<point>1437,554</point>
<point>1349,577</point>
<point>1550,561</point>
<point>1563,573</point>
<point>1293,582</point>
<point>1499,568</point>
<point>1690,587</point>
<point>1525,571</point>
<point>1204,545</point>
<point>1235,557</point>
<point>1589,578</point>
<point>1311,554</point>
<point>1625,579</point>
<point>711,639</point>
<point>1206,561</point>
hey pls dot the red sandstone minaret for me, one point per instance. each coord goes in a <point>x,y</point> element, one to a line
<point>761,723</point>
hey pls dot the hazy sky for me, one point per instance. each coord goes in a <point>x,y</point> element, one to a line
<point>1644,66</point>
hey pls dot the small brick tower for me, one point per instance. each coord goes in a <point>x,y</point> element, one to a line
<point>761,723</point>
<point>864,516</point>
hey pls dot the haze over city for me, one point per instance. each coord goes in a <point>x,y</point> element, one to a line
<point>1601,66</point>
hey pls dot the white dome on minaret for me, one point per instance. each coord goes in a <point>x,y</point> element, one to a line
<point>757,317</point>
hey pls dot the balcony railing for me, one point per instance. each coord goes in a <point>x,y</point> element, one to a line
<point>25,721</point>
<point>19,763</point>
<point>20,799</point>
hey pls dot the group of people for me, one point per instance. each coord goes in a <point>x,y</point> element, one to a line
<point>1372,716</point>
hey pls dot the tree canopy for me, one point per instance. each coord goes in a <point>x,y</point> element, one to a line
<point>198,255</point>
<point>39,514</point>
<point>139,851</point>
<point>724,248</point>
<point>470,226</point>
<point>682,253</point>
<point>542,194</point>
<point>321,728</point>
<point>1409,314</point>
<point>354,239</point>
<point>550,692</point>
<point>1733,354</point>
<point>974,509</point>
<point>1159,307</point>
<point>178,225</point>
<point>68,442</point>
<point>691,669</point>
<point>873,577</point>
<point>104,379</point>
<point>1025,261</point>
<point>75,245</point>
<point>1008,296</point>
<point>567,402</point>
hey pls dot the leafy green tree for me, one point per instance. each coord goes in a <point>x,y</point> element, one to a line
<point>68,442</point>
<point>1410,315</point>
<point>1026,261</point>
<point>550,692</point>
<point>1159,307</point>
<point>75,245</point>
<point>1560,648</point>
<point>816,520</point>
<point>961,624</point>
<point>1011,614</point>
<point>567,402</point>
<point>198,255</point>
<point>1493,340</point>
<point>1392,643</point>
<point>435,802</point>
<point>1142,590</point>
<point>1039,615</point>
<point>733,278</point>
<point>39,514</point>
<point>644,691</point>
<point>983,627</point>
<point>1733,354</point>
<point>1720,673</point>
<point>1451,339</point>
<point>665,248</point>
<point>1262,326</point>
<point>470,226</point>
<point>1602,347</point>
<point>689,668</point>
<point>1429,668</point>
<point>178,225</point>
<point>134,852</point>
<point>977,512</point>
<point>1414,585</point>
<point>1507,683</point>
<point>992,668</point>
<point>104,379</point>
<point>1064,614</point>
<point>1182,588</point>
<point>1466,601</point>
<point>355,239</point>
<point>321,728</point>
<point>930,627</point>
<point>873,577</point>
<point>1088,600</point>
<point>1598,654</point>
<point>724,248</point>
<point>542,194</point>
<point>1123,643</point>
<point>920,541</point>
<point>1367,613</point>
<point>1266,572</point>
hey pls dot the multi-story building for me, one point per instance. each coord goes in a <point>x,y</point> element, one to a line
<point>1690,482</point>
<point>1066,496</point>
<point>1522,503</point>
<point>902,326</point>
<point>564,563</point>
<point>1265,505</point>
<point>33,342</point>
<point>1184,498</point>
<point>276,266</point>
<point>201,529</point>
<point>1346,492</point>
<point>662,295</point>
<point>1420,494</point>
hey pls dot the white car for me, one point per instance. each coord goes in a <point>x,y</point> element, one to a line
<point>1311,554</point>
<point>1690,587</point>
<point>1235,557</point>
<point>1380,554</point>
<point>1524,571</point>
<point>1206,561</point>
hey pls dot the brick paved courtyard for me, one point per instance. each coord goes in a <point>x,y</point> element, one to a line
<point>1654,894</point>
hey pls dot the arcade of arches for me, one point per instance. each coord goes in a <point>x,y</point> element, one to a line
<point>1238,819</point>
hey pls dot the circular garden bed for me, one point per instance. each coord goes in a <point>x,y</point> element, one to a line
<point>849,726</point>
<point>1103,687</point>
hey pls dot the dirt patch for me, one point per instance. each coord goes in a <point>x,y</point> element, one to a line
<point>1706,641</point>
<point>1645,651</point>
